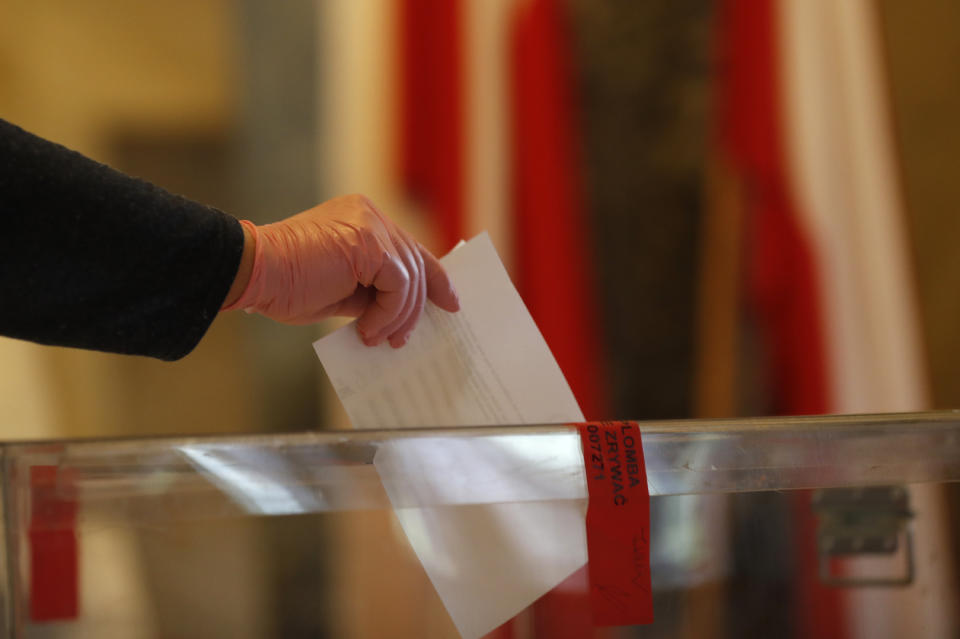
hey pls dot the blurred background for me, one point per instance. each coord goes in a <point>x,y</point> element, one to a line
<point>711,207</point>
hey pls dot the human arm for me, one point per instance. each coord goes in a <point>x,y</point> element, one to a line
<point>93,258</point>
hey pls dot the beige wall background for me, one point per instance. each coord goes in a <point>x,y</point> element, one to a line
<point>923,57</point>
<point>98,77</point>
<point>152,89</point>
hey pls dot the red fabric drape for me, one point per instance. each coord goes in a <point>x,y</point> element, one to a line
<point>553,245</point>
<point>431,113</point>
<point>782,288</point>
<point>552,253</point>
<point>782,284</point>
<point>552,235</point>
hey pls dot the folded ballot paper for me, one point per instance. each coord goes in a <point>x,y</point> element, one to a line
<point>488,364</point>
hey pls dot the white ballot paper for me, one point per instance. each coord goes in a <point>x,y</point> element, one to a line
<point>488,364</point>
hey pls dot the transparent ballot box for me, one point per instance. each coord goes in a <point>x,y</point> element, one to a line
<point>786,527</point>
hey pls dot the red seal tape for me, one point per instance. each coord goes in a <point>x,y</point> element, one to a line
<point>53,545</point>
<point>618,524</point>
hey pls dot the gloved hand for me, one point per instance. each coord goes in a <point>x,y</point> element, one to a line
<point>344,257</point>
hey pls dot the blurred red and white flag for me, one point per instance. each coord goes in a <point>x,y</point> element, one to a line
<point>459,116</point>
<point>805,122</point>
<point>488,140</point>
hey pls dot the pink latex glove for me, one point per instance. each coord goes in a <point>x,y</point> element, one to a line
<point>344,257</point>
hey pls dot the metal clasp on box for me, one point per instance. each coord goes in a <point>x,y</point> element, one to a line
<point>861,522</point>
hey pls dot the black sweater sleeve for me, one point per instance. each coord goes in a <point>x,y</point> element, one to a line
<point>95,259</point>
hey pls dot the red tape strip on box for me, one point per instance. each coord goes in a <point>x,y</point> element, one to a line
<point>618,524</point>
<point>53,545</point>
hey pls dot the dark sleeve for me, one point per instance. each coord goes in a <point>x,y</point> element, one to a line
<point>93,258</point>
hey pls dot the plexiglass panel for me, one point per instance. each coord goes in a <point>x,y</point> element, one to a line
<point>294,535</point>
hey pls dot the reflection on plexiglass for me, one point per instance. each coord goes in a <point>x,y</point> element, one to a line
<point>185,537</point>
